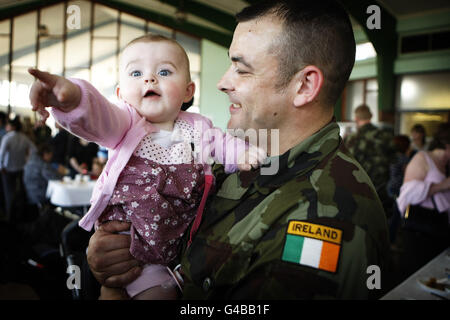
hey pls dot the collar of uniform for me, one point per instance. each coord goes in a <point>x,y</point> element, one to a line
<point>303,157</point>
<point>297,161</point>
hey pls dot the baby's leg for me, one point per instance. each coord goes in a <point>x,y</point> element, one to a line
<point>155,282</point>
<point>107,293</point>
<point>158,293</point>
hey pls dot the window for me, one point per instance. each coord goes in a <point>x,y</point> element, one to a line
<point>42,39</point>
<point>424,99</point>
<point>360,92</point>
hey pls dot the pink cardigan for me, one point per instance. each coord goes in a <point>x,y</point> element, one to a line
<point>120,129</point>
<point>416,191</point>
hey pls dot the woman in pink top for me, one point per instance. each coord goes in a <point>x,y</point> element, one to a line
<point>427,184</point>
<point>426,177</point>
<point>156,177</point>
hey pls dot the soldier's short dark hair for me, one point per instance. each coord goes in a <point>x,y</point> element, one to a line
<point>315,33</point>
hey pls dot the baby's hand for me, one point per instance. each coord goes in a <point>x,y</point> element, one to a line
<point>51,90</point>
<point>251,158</point>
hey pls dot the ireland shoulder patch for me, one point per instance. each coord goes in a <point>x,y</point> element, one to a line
<point>312,245</point>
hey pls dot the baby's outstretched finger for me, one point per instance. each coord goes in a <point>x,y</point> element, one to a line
<point>46,78</point>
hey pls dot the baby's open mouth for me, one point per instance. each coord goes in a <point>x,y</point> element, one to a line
<point>151,93</point>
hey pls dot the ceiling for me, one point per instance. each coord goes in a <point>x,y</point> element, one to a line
<point>214,19</point>
<point>403,8</point>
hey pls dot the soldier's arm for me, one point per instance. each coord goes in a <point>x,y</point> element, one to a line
<point>278,280</point>
<point>277,274</point>
<point>269,276</point>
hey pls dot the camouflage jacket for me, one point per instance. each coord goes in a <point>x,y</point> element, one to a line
<point>251,243</point>
<point>375,151</point>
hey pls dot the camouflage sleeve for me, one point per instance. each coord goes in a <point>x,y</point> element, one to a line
<point>282,281</point>
<point>276,273</point>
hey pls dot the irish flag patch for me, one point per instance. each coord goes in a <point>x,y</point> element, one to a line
<point>312,245</point>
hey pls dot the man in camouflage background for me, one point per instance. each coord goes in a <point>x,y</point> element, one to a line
<point>312,229</point>
<point>374,149</point>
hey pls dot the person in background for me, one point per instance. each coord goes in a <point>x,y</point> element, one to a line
<point>404,154</point>
<point>42,133</point>
<point>3,118</point>
<point>60,145</point>
<point>28,128</point>
<point>424,201</point>
<point>373,148</point>
<point>397,173</point>
<point>97,168</point>
<point>38,171</point>
<point>102,155</point>
<point>418,137</point>
<point>14,150</point>
<point>81,155</point>
<point>2,124</point>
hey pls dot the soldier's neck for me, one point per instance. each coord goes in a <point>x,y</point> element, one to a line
<point>294,135</point>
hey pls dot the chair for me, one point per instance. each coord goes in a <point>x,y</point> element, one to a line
<point>74,241</point>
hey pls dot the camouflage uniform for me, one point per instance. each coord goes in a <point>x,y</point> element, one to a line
<point>238,251</point>
<point>374,149</point>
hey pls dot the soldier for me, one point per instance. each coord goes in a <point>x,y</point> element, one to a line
<point>312,229</point>
<point>374,149</point>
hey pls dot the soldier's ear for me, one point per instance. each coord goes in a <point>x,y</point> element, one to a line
<point>307,85</point>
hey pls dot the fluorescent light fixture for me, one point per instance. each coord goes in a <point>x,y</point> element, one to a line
<point>408,90</point>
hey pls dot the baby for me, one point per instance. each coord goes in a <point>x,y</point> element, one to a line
<point>156,176</point>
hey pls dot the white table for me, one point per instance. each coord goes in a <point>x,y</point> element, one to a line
<point>410,288</point>
<point>70,193</point>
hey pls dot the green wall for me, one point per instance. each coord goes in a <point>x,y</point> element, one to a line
<point>414,62</point>
<point>364,69</point>
<point>213,103</point>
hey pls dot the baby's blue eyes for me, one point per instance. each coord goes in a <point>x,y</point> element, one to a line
<point>164,73</point>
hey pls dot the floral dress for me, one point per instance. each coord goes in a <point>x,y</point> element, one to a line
<point>158,192</point>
